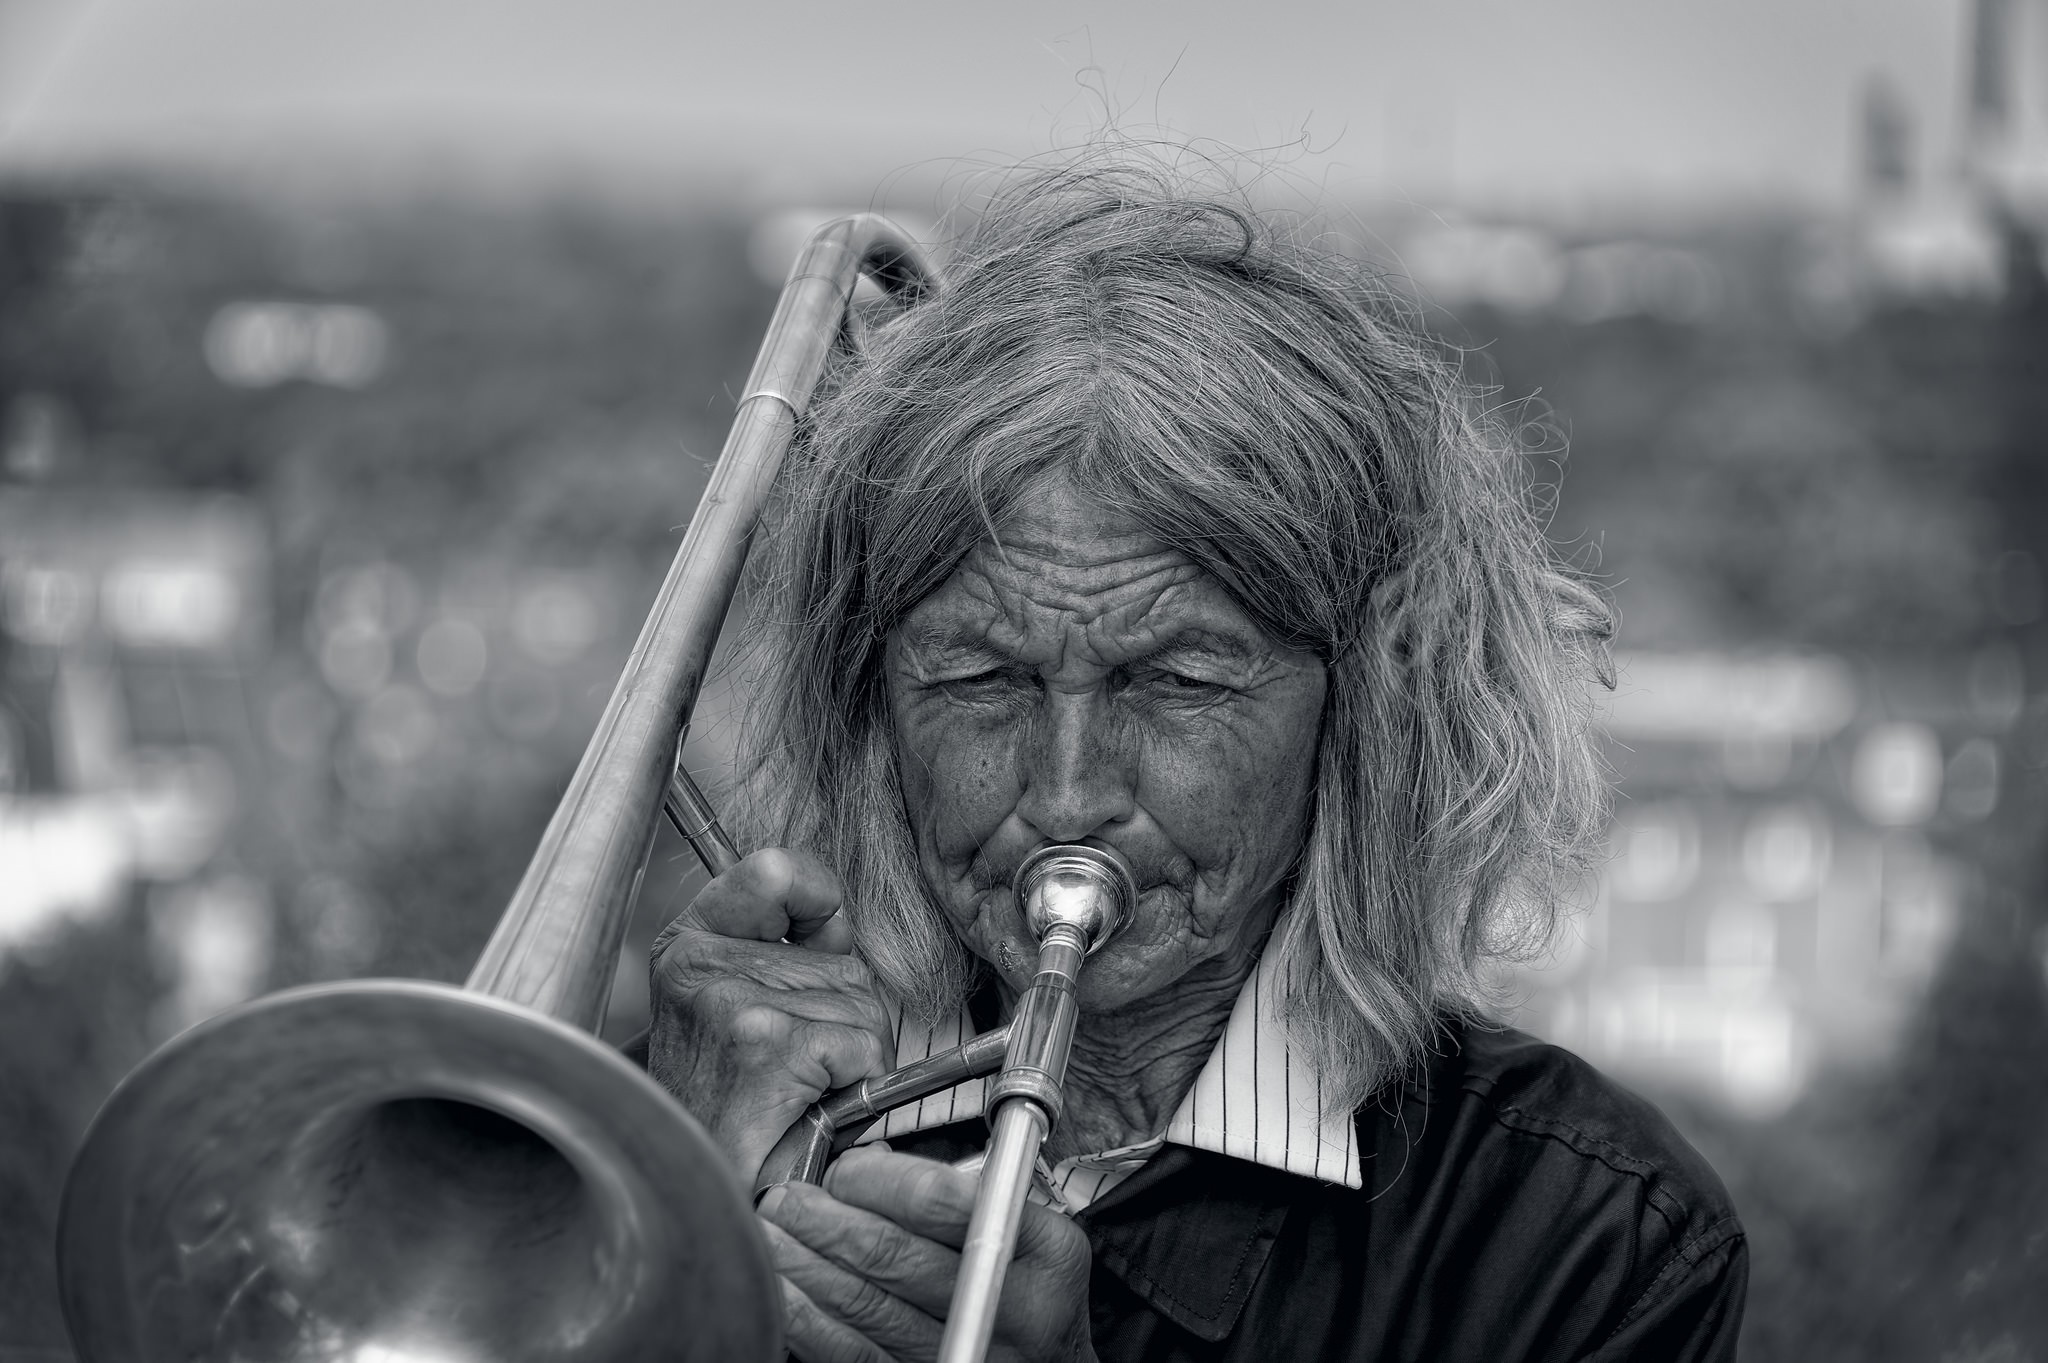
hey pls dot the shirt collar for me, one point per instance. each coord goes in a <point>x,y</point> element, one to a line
<point>1258,1098</point>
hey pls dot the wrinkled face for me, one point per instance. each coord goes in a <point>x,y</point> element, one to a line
<point>1081,680</point>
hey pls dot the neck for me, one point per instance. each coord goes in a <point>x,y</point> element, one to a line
<point>1130,1067</point>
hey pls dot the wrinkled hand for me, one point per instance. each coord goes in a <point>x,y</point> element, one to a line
<point>868,1263</point>
<point>749,1029</point>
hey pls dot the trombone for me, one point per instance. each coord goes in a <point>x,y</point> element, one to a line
<point>390,1171</point>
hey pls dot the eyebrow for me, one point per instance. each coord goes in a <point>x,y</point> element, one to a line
<point>954,640</point>
<point>1228,647</point>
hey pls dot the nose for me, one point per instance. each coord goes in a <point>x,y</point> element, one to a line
<point>1080,769</point>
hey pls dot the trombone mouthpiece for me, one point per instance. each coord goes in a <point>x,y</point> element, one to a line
<point>1089,888</point>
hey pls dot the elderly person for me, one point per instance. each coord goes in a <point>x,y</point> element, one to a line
<point>1159,530</point>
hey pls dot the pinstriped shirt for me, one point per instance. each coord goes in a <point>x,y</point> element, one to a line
<point>1256,1099</point>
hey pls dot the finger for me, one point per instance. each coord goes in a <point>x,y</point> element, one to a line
<point>867,1304</point>
<point>923,1196</point>
<point>936,1201</point>
<point>820,1055</point>
<point>1043,1311</point>
<point>815,1337</point>
<point>1044,1236</point>
<point>715,989</point>
<point>869,1247</point>
<point>694,955</point>
<point>833,936</point>
<point>773,894</point>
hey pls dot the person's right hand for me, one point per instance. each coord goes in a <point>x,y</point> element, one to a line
<point>759,1005</point>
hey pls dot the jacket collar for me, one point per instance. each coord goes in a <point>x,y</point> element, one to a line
<point>1190,1234</point>
<point>1257,1099</point>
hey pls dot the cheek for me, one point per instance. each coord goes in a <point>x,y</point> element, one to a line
<point>1230,811</point>
<point>959,780</point>
<point>1237,806</point>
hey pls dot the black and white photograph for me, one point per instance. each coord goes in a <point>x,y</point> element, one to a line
<point>1142,683</point>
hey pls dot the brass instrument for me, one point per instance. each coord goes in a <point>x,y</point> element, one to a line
<point>1075,897</point>
<point>390,1171</point>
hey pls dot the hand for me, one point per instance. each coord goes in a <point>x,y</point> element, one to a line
<point>868,1263</point>
<point>750,1028</point>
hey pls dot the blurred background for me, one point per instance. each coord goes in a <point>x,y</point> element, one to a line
<point>360,365</point>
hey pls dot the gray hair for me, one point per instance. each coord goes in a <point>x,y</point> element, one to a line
<point>1262,407</point>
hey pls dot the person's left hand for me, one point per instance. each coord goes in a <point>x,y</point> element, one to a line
<point>868,1263</point>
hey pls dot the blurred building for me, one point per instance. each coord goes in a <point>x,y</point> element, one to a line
<point>128,629</point>
<point>1968,222</point>
<point>2006,148</point>
<point>1772,901</point>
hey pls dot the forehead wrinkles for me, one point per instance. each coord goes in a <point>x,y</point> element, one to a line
<point>1111,584</point>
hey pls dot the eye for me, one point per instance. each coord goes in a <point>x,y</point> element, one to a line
<point>996,683</point>
<point>1181,686</point>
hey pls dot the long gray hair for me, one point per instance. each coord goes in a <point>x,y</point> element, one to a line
<point>1260,406</point>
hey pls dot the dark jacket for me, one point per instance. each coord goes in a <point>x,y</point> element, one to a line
<point>1517,1205</point>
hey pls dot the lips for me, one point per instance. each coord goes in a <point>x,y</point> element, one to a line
<point>984,875</point>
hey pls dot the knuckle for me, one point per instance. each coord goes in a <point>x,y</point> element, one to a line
<point>834,1045</point>
<point>757,1029</point>
<point>875,1251</point>
<point>924,1191</point>
<point>771,872</point>
<point>666,939</point>
<point>853,974</point>
<point>1060,1248</point>
<point>869,1303</point>
<point>726,996</point>
<point>672,961</point>
<point>666,985</point>
<point>687,954</point>
<point>939,1191</point>
<point>1072,1258</point>
<point>718,892</point>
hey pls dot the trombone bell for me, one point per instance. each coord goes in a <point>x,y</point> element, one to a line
<point>404,1172</point>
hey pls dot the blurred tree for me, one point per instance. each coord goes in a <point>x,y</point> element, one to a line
<point>557,380</point>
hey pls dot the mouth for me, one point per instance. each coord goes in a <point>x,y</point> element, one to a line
<point>986,875</point>
<point>995,919</point>
<point>1077,888</point>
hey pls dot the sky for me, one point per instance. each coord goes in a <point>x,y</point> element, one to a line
<point>1535,103</point>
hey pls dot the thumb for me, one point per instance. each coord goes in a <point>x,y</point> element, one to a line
<point>833,935</point>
